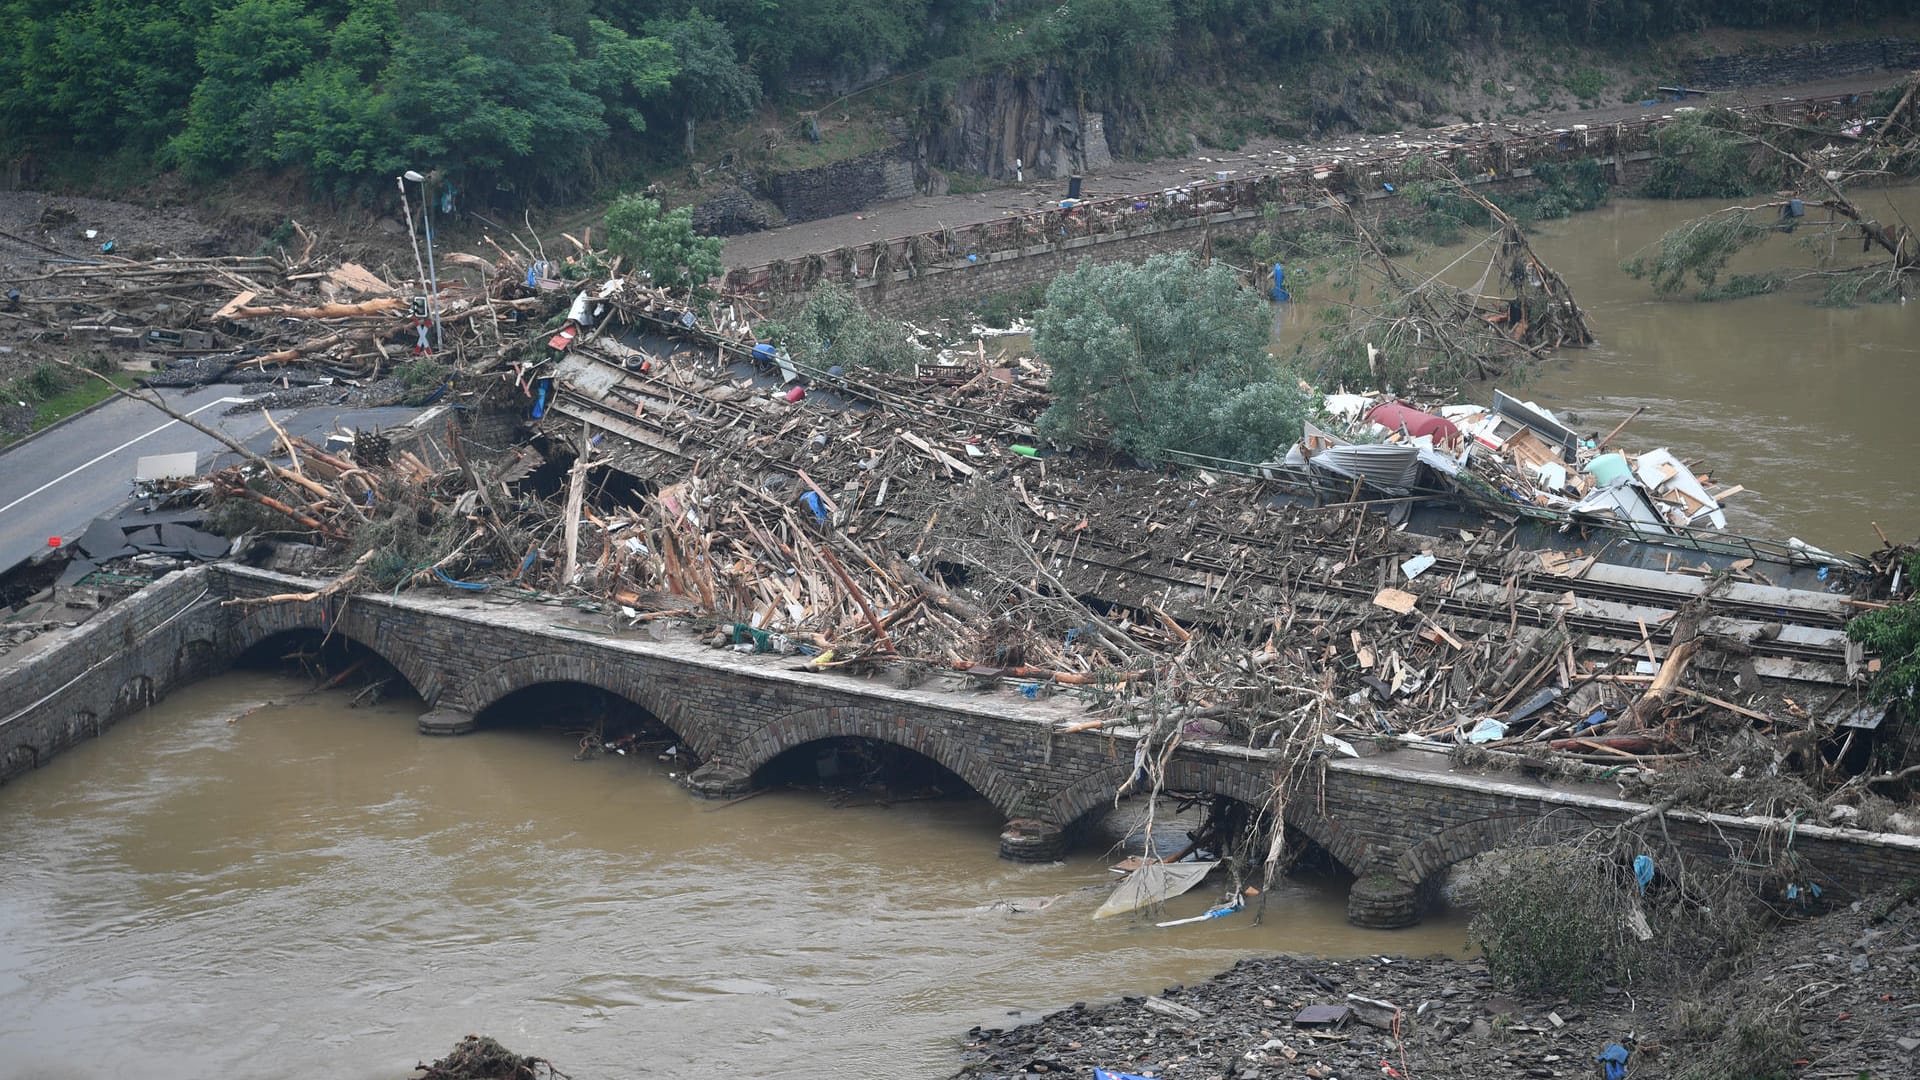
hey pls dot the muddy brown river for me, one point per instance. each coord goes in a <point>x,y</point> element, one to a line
<point>313,890</point>
<point>1813,409</point>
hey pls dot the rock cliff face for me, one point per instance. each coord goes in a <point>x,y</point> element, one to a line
<point>994,121</point>
<point>1366,101</point>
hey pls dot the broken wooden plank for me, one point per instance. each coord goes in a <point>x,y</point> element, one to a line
<point>1396,600</point>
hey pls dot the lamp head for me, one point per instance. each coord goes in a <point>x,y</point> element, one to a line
<point>415,177</point>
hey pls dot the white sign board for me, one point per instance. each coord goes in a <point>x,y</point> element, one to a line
<point>167,466</point>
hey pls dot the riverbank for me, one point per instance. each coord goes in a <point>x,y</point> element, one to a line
<point>1835,996</point>
<point>960,208</point>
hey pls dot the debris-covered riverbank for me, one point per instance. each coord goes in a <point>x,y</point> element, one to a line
<point>1837,996</point>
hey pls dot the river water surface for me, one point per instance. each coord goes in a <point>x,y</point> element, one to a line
<point>1812,409</point>
<point>1815,410</point>
<point>312,890</point>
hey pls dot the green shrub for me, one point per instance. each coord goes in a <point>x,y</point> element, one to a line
<point>44,381</point>
<point>832,328</point>
<point>1166,355</point>
<point>1893,634</point>
<point>1550,920</point>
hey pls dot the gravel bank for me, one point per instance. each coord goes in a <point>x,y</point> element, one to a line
<point>1849,982</point>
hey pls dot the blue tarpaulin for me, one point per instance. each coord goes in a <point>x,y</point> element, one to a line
<point>814,504</point>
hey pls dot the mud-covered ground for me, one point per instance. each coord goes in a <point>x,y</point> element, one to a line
<point>1851,986</point>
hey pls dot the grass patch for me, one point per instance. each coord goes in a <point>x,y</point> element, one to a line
<point>56,393</point>
<point>966,183</point>
<point>1586,84</point>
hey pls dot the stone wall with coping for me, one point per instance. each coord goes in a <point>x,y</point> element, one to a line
<point>56,694</point>
<point>1395,819</point>
<point>969,284</point>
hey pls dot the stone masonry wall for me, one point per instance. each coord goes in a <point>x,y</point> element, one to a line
<point>119,662</point>
<point>1808,62</point>
<point>1396,819</point>
<point>844,186</point>
<point>1007,271</point>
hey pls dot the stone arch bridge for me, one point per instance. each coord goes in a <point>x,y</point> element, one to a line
<point>1395,820</point>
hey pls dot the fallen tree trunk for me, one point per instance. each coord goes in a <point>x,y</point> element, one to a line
<point>324,311</point>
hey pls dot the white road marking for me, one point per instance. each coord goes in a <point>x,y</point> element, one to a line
<point>90,464</point>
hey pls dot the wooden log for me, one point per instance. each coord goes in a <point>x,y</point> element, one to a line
<point>324,311</point>
<point>860,598</point>
<point>1665,682</point>
<point>576,492</point>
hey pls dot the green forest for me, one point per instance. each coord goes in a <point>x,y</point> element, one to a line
<point>544,98</point>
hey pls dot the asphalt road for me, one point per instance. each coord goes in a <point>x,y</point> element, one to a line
<point>57,482</point>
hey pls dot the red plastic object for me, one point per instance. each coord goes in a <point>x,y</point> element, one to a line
<point>1395,417</point>
<point>53,541</point>
<point>795,393</point>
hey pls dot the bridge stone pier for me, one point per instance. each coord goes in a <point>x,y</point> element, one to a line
<point>1396,820</point>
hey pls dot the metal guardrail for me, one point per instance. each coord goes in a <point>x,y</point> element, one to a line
<point>1040,231</point>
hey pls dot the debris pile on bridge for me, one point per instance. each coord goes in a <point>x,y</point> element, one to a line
<point>909,525</point>
<point>1513,454</point>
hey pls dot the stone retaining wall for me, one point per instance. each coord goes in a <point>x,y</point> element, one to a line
<point>844,186</point>
<point>1808,62</point>
<point>121,661</point>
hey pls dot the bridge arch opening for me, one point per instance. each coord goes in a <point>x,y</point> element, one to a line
<point>1177,825</point>
<point>598,720</point>
<point>859,771</point>
<point>330,660</point>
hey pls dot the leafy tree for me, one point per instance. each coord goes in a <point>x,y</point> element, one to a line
<point>1699,156</point>
<point>110,73</point>
<point>1166,355</point>
<point>851,37</point>
<point>1893,634</point>
<point>326,123</point>
<point>711,82</point>
<point>832,328</point>
<point>663,245</point>
<point>250,46</point>
<point>626,72</point>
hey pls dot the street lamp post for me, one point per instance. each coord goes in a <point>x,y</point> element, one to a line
<point>433,282</point>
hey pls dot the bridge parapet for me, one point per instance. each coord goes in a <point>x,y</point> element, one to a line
<point>1396,820</point>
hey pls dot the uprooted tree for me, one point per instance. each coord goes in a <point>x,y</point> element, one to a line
<point>1387,324</point>
<point>1819,167</point>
